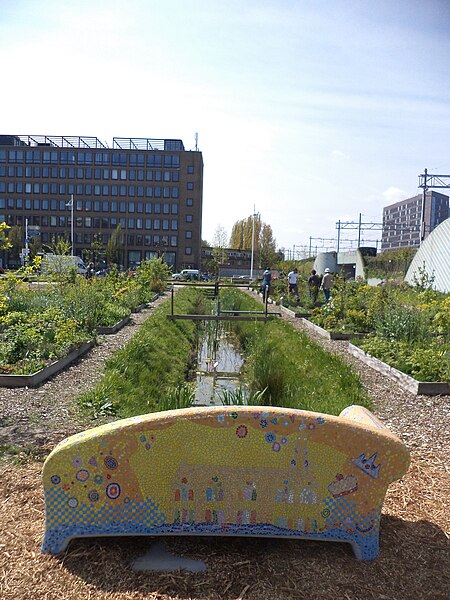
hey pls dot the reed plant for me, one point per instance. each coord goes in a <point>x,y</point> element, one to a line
<point>149,373</point>
<point>292,370</point>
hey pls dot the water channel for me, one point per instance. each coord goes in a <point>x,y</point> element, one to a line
<point>218,367</point>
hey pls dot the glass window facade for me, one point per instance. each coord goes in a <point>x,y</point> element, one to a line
<point>37,183</point>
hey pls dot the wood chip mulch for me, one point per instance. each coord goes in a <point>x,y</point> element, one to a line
<point>414,560</point>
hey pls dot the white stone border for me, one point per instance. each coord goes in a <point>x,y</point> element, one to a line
<point>425,388</point>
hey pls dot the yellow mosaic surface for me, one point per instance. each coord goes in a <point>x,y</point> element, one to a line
<point>225,471</point>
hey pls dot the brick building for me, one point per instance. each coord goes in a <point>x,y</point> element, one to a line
<point>402,220</point>
<point>152,188</point>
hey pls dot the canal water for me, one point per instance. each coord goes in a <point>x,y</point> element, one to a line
<point>218,368</point>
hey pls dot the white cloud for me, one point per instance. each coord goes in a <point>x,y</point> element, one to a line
<point>337,154</point>
<point>394,194</point>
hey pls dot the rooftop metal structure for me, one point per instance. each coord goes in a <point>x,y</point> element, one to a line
<point>147,144</point>
<point>89,142</point>
<point>61,141</point>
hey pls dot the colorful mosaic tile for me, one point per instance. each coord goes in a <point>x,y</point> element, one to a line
<point>225,471</point>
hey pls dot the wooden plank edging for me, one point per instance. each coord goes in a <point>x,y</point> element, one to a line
<point>114,328</point>
<point>33,380</point>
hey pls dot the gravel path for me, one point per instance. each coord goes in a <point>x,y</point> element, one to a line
<point>44,415</point>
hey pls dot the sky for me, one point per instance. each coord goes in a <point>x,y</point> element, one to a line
<point>308,112</point>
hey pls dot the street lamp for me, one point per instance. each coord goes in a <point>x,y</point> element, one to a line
<point>71,205</point>
<point>253,243</point>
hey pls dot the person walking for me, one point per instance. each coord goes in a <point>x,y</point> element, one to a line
<point>90,271</point>
<point>314,285</point>
<point>327,283</point>
<point>265,286</point>
<point>293,283</point>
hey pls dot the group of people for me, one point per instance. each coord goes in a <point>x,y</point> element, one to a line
<point>315,283</point>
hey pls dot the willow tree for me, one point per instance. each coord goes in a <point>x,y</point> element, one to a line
<point>242,233</point>
<point>244,237</point>
<point>267,246</point>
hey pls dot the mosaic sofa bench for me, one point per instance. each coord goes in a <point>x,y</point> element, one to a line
<point>235,470</point>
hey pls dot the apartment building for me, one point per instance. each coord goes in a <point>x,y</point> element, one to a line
<point>151,188</point>
<point>402,220</point>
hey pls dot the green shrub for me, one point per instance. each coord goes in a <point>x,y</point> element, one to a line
<point>150,372</point>
<point>429,362</point>
<point>402,323</point>
<point>34,340</point>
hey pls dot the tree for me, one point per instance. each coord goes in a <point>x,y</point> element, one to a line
<point>114,247</point>
<point>267,246</point>
<point>97,248</point>
<point>35,246</point>
<point>252,232</point>
<point>242,233</point>
<point>219,253</point>
<point>16,241</point>
<point>4,242</point>
<point>60,246</point>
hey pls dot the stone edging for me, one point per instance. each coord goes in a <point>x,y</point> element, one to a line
<point>330,335</point>
<point>33,380</point>
<point>293,313</point>
<point>425,388</point>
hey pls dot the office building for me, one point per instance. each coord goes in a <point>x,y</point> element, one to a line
<point>402,221</point>
<point>151,188</point>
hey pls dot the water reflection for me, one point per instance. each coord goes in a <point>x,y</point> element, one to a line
<point>219,366</point>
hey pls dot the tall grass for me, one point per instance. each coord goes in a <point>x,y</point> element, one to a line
<point>149,373</point>
<point>292,370</point>
<point>283,367</point>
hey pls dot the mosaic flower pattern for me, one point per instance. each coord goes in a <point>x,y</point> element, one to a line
<point>224,471</point>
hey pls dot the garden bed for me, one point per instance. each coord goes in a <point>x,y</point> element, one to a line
<point>293,313</point>
<point>331,335</point>
<point>102,329</point>
<point>33,380</point>
<point>140,307</point>
<point>425,388</point>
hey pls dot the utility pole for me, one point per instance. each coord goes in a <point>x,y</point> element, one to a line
<point>70,203</point>
<point>253,243</point>
<point>424,198</point>
<point>427,181</point>
<point>27,248</point>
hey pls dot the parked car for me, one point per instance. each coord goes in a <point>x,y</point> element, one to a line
<point>187,274</point>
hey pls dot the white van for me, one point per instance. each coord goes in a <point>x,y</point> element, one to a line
<point>187,274</point>
<point>190,274</point>
<point>58,263</point>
